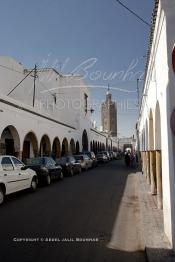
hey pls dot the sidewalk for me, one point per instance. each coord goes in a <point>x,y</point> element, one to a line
<point>156,244</point>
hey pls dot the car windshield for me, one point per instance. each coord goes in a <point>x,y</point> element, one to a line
<point>35,161</point>
<point>87,153</point>
<point>78,157</point>
<point>105,152</point>
<point>99,155</point>
<point>71,159</point>
<point>49,161</point>
<point>61,161</point>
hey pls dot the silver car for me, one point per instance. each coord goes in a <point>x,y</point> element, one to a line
<point>84,160</point>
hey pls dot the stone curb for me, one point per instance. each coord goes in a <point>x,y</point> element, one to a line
<point>157,246</point>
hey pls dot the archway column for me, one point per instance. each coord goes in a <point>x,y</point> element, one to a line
<point>148,167</point>
<point>19,155</point>
<point>153,172</point>
<point>65,147</point>
<point>56,148</point>
<point>144,163</point>
<point>159,180</point>
<point>85,143</point>
<point>77,147</point>
<point>145,166</point>
<point>72,148</point>
<point>45,146</point>
<point>30,146</point>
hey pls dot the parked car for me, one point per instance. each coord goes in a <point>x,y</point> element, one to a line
<point>69,165</point>
<point>102,158</point>
<point>92,156</point>
<point>119,155</point>
<point>84,160</point>
<point>14,176</point>
<point>46,169</point>
<point>115,154</point>
<point>107,154</point>
<point>111,155</point>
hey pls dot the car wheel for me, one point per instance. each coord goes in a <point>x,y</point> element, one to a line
<point>48,180</point>
<point>2,196</point>
<point>61,176</point>
<point>34,184</point>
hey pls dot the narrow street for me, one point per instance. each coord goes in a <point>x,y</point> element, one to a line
<point>100,204</point>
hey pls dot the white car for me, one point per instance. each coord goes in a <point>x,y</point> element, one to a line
<point>14,176</point>
<point>84,160</point>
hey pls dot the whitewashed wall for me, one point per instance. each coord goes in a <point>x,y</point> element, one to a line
<point>160,88</point>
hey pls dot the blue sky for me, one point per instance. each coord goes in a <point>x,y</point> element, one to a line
<point>70,32</point>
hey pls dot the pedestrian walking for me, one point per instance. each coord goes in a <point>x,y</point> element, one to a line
<point>127,158</point>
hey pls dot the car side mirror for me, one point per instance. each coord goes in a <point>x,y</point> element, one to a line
<point>24,167</point>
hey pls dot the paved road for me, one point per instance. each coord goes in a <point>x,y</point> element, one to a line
<point>100,205</point>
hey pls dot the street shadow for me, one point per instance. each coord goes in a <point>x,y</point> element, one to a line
<point>83,207</point>
<point>160,255</point>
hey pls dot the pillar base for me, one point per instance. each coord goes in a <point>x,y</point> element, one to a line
<point>153,172</point>
<point>148,178</point>
<point>159,180</point>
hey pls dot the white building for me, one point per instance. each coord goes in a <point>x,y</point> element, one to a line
<point>126,142</point>
<point>53,118</point>
<point>156,122</point>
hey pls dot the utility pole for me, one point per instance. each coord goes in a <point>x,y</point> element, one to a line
<point>138,93</point>
<point>34,84</point>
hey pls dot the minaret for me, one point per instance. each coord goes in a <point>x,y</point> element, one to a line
<point>108,95</point>
<point>109,115</point>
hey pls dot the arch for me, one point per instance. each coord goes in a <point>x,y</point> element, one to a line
<point>77,147</point>
<point>72,146</point>
<point>10,141</point>
<point>91,146</point>
<point>45,146</point>
<point>56,148</point>
<point>64,149</point>
<point>85,141</point>
<point>157,128</point>
<point>103,147</point>
<point>98,146</point>
<point>30,146</point>
<point>151,132</point>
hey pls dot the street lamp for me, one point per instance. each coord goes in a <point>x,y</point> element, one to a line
<point>91,110</point>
